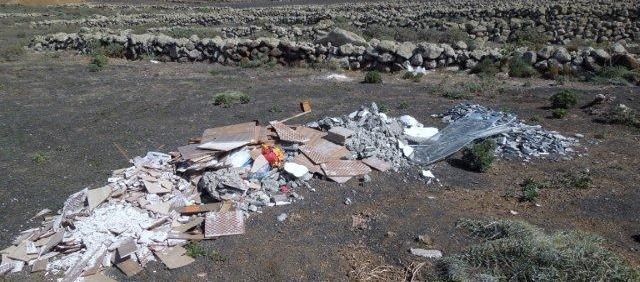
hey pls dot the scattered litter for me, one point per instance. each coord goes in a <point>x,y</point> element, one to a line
<point>513,212</point>
<point>338,77</point>
<point>154,61</point>
<point>208,188</point>
<point>432,254</point>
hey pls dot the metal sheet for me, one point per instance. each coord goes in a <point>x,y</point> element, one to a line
<point>223,223</point>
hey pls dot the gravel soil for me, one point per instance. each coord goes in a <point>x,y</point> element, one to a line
<point>60,126</point>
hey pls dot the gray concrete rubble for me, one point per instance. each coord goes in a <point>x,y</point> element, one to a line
<point>522,141</point>
<point>149,210</point>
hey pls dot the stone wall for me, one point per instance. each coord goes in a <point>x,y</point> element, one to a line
<point>339,47</point>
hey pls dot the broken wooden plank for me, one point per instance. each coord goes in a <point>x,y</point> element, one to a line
<point>185,236</point>
<point>189,225</point>
<point>243,132</point>
<point>126,248</point>
<point>155,187</point>
<point>194,209</point>
<point>191,151</point>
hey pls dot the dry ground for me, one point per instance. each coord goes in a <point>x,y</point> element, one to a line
<point>51,106</point>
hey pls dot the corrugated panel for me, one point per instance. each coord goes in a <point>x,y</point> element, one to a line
<point>223,224</point>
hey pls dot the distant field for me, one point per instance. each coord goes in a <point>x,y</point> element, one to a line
<point>41,2</point>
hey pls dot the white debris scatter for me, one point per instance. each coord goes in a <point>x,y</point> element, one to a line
<point>338,77</point>
<point>147,211</point>
<point>434,254</point>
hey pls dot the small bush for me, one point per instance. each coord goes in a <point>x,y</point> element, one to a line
<point>486,67</point>
<point>373,77</point>
<point>531,189</point>
<point>455,94</point>
<point>98,62</point>
<point>414,77</point>
<point>194,250</point>
<point>530,37</point>
<point>480,156</point>
<point>559,113</point>
<point>618,75</point>
<point>39,158</point>
<point>581,180</point>
<point>622,114</point>
<point>228,98</point>
<point>383,108</point>
<point>518,251</point>
<point>565,99</point>
<point>403,105</point>
<point>519,68</point>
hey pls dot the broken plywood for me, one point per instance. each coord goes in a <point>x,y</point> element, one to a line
<point>312,134</point>
<point>301,159</point>
<point>191,151</point>
<point>194,209</point>
<point>243,132</point>
<point>223,223</point>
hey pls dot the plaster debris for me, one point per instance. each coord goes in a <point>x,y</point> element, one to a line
<point>432,254</point>
<point>208,188</point>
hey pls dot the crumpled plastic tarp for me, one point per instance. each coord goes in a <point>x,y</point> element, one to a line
<point>460,133</point>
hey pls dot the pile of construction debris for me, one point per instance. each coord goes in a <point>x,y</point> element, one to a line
<point>206,189</point>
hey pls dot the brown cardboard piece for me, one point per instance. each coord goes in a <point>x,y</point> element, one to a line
<point>174,257</point>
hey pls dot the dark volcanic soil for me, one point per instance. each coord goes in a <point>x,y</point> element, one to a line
<point>54,107</point>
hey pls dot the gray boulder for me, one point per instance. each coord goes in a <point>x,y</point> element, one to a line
<point>338,37</point>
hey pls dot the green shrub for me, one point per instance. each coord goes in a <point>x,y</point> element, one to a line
<point>98,62</point>
<point>564,99</point>
<point>194,250</point>
<point>530,37</point>
<point>559,113</point>
<point>230,97</point>
<point>622,114</point>
<point>373,77</point>
<point>580,180</point>
<point>414,77</point>
<point>39,158</point>
<point>480,156</point>
<point>531,189</point>
<point>519,68</point>
<point>618,75</point>
<point>455,94</point>
<point>518,251</point>
<point>485,68</point>
<point>403,105</point>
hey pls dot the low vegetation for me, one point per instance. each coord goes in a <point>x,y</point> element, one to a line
<point>559,113</point>
<point>479,156</point>
<point>98,62</point>
<point>11,53</point>
<point>531,189</point>
<point>518,251</point>
<point>415,77</point>
<point>373,77</point>
<point>621,114</point>
<point>485,68</point>
<point>530,37</point>
<point>519,68</point>
<point>230,97</point>
<point>564,99</point>
<point>39,158</point>
<point>195,251</point>
<point>618,75</point>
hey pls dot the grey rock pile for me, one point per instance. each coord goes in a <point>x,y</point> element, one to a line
<point>375,134</point>
<point>524,141</point>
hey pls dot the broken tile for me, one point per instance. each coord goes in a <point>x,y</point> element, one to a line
<point>174,257</point>
<point>96,196</point>
<point>159,208</point>
<point>258,163</point>
<point>155,187</point>
<point>223,223</point>
<point>313,135</point>
<point>39,265</point>
<point>323,151</point>
<point>377,164</point>
<point>285,133</point>
<point>340,179</point>
<point>302,159</point>
<point>345,168</point>
<point>126,248</point>
<point>243,132</point>
<point>222,146</point>
<point>20,253</point>
<point>339,135</point>
<point>129,267</point>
